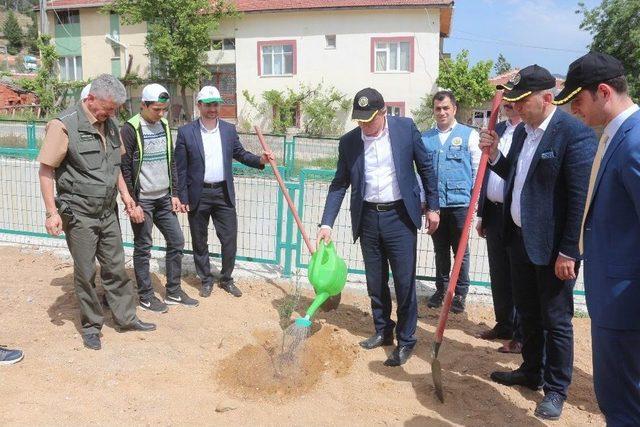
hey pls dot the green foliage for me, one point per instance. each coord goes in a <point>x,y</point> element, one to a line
<point>320,108</point>
<point>179,34</point>
<point>615,26</point>
<point>13,33</point>
<point>469,84</point>
<point>32,38</point>
<point>502,65</point>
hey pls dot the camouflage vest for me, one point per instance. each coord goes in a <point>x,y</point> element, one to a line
<point>87,179</point>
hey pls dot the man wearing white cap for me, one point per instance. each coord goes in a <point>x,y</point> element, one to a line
<point>149,169</point>
<point>205,149</point>
<point>85,92</point>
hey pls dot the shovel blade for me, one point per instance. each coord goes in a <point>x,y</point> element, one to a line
<point>436,374</point>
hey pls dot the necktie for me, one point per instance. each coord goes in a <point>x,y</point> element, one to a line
<point>592,181</point>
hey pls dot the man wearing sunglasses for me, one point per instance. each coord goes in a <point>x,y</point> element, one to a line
<point>149,169</point>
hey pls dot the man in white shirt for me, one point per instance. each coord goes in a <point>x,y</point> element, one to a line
<point>546,177</point>
<point>377,160</point>
<point>453,148</point>
<point>490,225</point>
<point>597,88</point>
<point>205,149</point>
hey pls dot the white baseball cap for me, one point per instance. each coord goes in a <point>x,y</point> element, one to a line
<point>154,93</point>
<point>209,94</point>
<point>85,92</point>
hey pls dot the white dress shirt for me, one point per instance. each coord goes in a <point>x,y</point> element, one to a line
<point>381,184</point>
<point>531,142</point>
<point>495,185</point>
<point>474,148</point>
<point>213,162</point>
<point>612,128</point>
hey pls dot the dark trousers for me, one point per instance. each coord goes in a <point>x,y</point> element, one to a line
<point>500,271</point>
<point>446,239</point>
<point>215,204</point>
<point>545,307</point>
<point>616,374</point>
<point>389,239</point>
<point>158,212</point>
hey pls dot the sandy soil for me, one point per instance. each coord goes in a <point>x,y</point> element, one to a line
<point>213,365</point>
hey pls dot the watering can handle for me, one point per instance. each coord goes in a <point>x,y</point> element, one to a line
<point>272,162</point>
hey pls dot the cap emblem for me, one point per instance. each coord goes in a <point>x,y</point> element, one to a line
<point>363,101</point>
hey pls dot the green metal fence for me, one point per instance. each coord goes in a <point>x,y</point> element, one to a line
<point>266,229</point>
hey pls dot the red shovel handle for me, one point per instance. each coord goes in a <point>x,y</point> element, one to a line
<point>464,238</point>
<point>273,164</point>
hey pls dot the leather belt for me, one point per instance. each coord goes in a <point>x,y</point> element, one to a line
<point>496,204</point>
<point>383,207</point>
<point>213,184</point>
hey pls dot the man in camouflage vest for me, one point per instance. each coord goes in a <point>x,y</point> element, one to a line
<point>81,153</point>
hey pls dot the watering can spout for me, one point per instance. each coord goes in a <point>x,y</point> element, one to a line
<point>317,302</point>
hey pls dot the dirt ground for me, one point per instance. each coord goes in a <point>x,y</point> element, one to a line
<point>213,365</point>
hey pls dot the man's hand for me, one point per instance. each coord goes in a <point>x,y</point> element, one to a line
<point>53,224</point>
<point>433,220</point>
<point>323,234</point>
<point>184,207</point>
<point>136,214</point>
<point>129,203</point>
<point>266,156</point>
<point>480,229</point>
<point>565,268</point>
<point>176,205</point>
<point>490,140</point>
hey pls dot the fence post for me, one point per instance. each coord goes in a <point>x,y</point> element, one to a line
<point>31,136</point>
<point>289,244</point>
<point>289,157</point>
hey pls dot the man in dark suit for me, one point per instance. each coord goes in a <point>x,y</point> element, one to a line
<point>546,176</point>
<point>490,226</point>
<point>598,92</point>
<point>377,160</point>
<point>205,149</point>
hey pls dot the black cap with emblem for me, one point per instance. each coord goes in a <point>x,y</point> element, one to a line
<point>366,104</point>
<point>592,68</point>
<point>528,80</point>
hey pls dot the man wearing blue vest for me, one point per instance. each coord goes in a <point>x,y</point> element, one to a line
<point>453,148</point>
<point>149,169</point>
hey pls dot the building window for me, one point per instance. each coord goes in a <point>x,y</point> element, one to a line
<point>223,44</point>
<point>288,117</point>
<point>277,58</point>
<point>70,68</point>
<point>391,54</point>
<point>395,109</point>
<point>330,41</point>
<point>64,17</point>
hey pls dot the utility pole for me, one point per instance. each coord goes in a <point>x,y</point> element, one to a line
<point>44,27</point>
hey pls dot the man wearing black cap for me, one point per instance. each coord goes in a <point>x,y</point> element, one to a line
<point>610,236</point>
<point>377,160</point>
<point>546,176</point>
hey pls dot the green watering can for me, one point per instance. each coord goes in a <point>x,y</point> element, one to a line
<point>327,274</point>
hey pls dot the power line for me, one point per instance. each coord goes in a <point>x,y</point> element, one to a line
<point>511,43</point>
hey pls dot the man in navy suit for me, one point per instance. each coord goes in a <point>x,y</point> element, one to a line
<point>490,226</point>
<point>546,176</point>
<point>205,149</point>
<point>597,89</point>
<point>377,160</point>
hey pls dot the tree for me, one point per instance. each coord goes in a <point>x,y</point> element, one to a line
<point>179,35</point>
<point>32,37</point>
<point>605,23</point>
<point>502,65</point>
<point>13,33</point>
<point>469,84</point>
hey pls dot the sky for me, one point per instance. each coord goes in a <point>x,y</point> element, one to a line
<point>543,32</point>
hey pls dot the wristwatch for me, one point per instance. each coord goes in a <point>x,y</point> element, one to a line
<point>434,210</point>
<point>50,214</point>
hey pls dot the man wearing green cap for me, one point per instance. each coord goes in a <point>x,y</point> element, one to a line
<point>205,150</point>
<point>149,169</point>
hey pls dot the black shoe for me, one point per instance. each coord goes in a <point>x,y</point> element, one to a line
<point>138,325</point>
<point>457,305</point>
<point>181,297</point>
<point>206,289</point>
<point>153,304</point>
<point>9,357</point>
<point>377,340</point>
<point>400,355</point>
<point>436,299</point>
<point>230,287</point>
<point>551,407</point>
<point>495,334</point>
<point>516,377</point>
<point>92,341</point>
